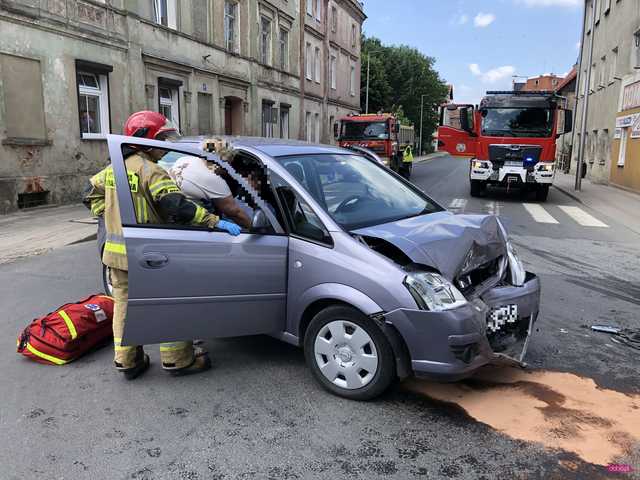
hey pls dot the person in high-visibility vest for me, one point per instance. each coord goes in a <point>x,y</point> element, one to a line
<point>157,200</point>
<point>407,155</point>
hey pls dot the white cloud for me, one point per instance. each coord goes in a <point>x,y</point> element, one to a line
<point>483,20</point>
<point>578,45</point>
<point>494,75</point>
<point>551,3</point>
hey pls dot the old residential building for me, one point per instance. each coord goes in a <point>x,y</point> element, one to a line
<point>72,71</point>
<point>611,120</point>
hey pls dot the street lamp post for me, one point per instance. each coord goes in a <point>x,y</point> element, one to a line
<point>366,102</point>
<point>421,113</point>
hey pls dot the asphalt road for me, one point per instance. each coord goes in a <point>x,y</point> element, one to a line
<point>259,414</point>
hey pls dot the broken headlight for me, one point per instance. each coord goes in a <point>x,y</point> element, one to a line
<point>433,292</point>
<point>516,268</point>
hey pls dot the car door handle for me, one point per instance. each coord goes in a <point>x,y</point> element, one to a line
<point>154,260</point>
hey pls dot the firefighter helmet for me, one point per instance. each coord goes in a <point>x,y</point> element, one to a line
<point>151,125</point>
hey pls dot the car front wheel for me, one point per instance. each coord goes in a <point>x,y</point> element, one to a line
<point>348,354</point>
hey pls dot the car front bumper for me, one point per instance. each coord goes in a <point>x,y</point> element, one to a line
<point>451,345</point>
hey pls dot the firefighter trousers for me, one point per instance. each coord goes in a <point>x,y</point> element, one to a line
<point>174,355</point>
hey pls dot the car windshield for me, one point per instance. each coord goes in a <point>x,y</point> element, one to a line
<point>365,130</point>
<point>356,192</point>
<point>517,122</point>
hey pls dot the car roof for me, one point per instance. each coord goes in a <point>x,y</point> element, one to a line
<point>274,147</point>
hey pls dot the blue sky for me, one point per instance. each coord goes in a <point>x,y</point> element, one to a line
<point>480,44</point>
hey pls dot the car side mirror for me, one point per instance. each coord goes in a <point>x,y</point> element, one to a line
<point>568,121</point>
<point>259,222</point>
<point>336,128</point>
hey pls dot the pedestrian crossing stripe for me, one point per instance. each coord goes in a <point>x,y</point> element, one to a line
<point>539,214</point>
<point>582,217</point>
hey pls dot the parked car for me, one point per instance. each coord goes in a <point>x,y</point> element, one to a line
<point>346,259</point>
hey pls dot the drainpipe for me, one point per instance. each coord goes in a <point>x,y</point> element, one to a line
<point>301,113</point>
<point>587,84</point>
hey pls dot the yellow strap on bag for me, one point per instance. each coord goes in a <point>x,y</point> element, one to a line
<point>49,358</point>
<point>69,323</point>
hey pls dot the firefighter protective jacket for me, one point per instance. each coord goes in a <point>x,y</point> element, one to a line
<point>156,199</point>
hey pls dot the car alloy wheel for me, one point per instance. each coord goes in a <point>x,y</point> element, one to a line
<point>346,355</point>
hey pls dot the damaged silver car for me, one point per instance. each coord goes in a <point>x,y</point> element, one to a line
<point>346,259</point>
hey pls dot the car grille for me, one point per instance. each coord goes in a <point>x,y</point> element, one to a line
<point>514,155</point>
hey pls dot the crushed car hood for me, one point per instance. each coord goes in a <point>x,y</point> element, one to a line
<point>451,244</point>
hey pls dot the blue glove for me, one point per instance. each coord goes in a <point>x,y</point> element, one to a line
<point>230,227</point>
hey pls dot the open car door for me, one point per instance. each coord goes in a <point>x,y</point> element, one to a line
<point>456,134</point>
<point>189,282</point>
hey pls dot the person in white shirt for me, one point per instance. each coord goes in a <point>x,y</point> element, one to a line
<point>198,180</point>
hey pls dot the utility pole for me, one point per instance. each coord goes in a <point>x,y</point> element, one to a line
<point>587,87</point>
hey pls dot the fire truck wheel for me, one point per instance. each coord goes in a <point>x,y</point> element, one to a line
<point>542,192</point>
<point>477,188</point>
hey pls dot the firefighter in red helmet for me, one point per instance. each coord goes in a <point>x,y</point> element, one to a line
<point>157,199</point>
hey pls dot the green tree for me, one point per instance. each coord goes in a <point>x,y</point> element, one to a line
<point>402,76</point>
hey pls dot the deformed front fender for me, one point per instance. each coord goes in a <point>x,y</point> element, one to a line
<point>329,291</point>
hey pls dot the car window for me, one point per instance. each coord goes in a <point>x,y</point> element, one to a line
<point>148,212</point>
<point>301,218</point>
<point>355,191</point>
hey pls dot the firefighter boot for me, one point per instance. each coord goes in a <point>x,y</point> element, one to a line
<point>141,365</point>
<point>199,362</point>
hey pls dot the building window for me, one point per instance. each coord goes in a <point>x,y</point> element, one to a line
<point>319,10</point>
<point>23,98</point>
<point>333,64</point>
<point>602,73</point>
<point>352,81</point>
<point>592,80</point>
<point>316,66</point>
<point>353,36</point>
<point>284,121</point>
<point>316,125</point>
<point>93,104</point>
<point>265,40</point>
<point>231,26</point>
<point>622,154</point>
<point>284,49</point>
<point>308,126</point>
<point>169,106</point>
<point>269,119</point>
<point>310,8</point>
<point>614,65</point>
<point>309,62</point>
<point>606,6</point>
<point>166,13</point>
<point>334,19</point>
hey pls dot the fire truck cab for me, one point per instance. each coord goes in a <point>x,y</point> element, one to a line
<point>382,134</point>
<point>510,138</point>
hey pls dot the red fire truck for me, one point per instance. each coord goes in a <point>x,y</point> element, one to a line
<point>382,134</point>
<point>510,138</point>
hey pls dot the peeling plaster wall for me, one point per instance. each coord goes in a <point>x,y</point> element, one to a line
<point>123,35</point>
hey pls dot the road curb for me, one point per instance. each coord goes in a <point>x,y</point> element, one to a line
<point>569,194</point>
<point>431,156</point>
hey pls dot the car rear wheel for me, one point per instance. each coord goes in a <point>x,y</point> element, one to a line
<point>106,280</point>
<point>348,354</point>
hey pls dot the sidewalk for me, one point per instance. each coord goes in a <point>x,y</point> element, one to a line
<point>38,230</point>
<point>622,206</point>
<point>430,156</point>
